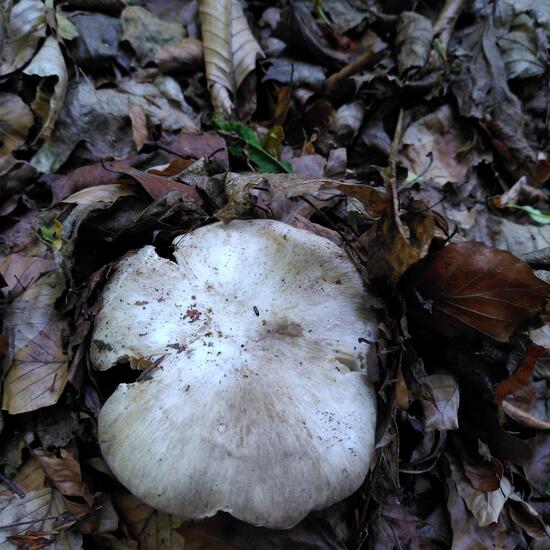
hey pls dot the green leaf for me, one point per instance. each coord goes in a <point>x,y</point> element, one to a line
<point>534,213</point>
<point>65,27</point>
<point>257,156</point>
<point>52,234</point>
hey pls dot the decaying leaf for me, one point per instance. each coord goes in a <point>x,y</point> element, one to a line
<point>48,63</point>
<point>101,193</point>
<point>148,34</point>
<point>469,286</point>
<point>441,411</point>
<point>42,510</point>
<point>15,121</point>
<point>520,49</point>
<point>38,370</point>
<point>414,40</point>
<point>25,26</point>
<point>139,125</point>
<point>184,55</point>
<point>440,135</point>
<point>230,51</point>
<point>20,271</point>
<point>485,506</point>
<point>150,528</point>
<point>390,252</point>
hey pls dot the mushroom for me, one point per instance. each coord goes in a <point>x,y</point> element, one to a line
<point>257,403</point>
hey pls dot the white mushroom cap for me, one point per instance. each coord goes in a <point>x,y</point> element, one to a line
<point>261,406</point>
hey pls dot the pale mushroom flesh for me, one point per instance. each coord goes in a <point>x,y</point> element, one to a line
<point>259,404</point>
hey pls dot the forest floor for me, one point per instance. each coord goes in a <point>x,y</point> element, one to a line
<point>415,135</point>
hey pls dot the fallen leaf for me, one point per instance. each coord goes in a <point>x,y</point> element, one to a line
<point>485,506</point>
<point>147,34</point>
<point>468,535</point>
<point>441,412</point>
<point>15,120</point>
<point>348,120</point>
<point>482,92</point>
<point>25,27</point>
<point>524,417</point>
<point>484,476</point>
<point>139,125</point>
<point>297,73</point>
<point>413,40</point>
<point>99,117</point>
<point>375,201</point>
<point>390,253</point>
<point>469,286</point>
<point>534,213</point>
<point>520,51</point>
<point>42,510</point>
<point>447,140</point>
<point>185,55</point>
<point>20,271</point>
<point>230,51</point>
<point>38,369</point>
<point>149,527</point>
<point>48,64</point>
<point>64,472</point>
<point>98,38</point>
<point>259,158</point>
<point>155,185</point>
<point>101,193</point>
<point>521,376</point>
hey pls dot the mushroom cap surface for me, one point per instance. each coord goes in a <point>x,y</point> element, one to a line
<point>260,405</point>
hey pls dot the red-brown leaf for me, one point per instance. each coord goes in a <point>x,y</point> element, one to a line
<point>470,285</point>
<point>155,185</point>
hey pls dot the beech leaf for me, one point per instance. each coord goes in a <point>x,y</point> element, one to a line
<point>38,371</point>
<point>230,50</point>
<point>441,412</point>
<point>470,285</point>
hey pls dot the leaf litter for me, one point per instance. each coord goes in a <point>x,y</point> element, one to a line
<point>414,135</point>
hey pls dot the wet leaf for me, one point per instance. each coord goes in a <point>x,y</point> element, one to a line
<point>469,286</point>
<point>25,27</point>
<point>48,64</point>
<point>230,51</point>
<point>441,412</point>
<point>414,40</point>
<point>148,34</point>
<point>38,370</point>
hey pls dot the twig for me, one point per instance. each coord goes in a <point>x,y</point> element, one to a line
<point>390,175</point>
<point>363,61</point>
<point>446,21</point>
<point>15,489</point>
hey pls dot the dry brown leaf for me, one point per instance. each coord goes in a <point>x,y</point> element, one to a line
<point>375,201</point>
<point>42,510</point>
<point>48,63</point>
<point>15,120</point>
<point>484,476</point>
<point>64,472</point>
<point>138,117</point>
<point>38,370</point>
<point>184,55</point>
<point>485,506</point>
<point>24,29</point>
<point>157,186</point>
<point>470,285</point>
<point>524,417</point>
<point>20,271</point>
<point>441,413</point>
<point>230,51</point>
<point>101,193</point>
<point>152,529</point>
<point>389,253</point>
